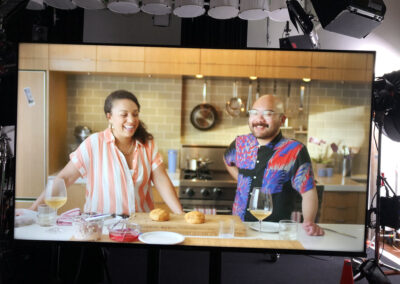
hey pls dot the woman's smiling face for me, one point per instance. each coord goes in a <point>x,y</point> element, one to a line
<point>124,118</point>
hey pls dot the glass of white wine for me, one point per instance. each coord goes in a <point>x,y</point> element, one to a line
<point>55,196</point>
<point>260,205</point>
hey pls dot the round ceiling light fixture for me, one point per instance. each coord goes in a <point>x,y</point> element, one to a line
<point>61,4</point>
<point>189,8</point>
<point>253,10</point>
<point>90,4</point>
<point>124,6</point>
<point>157,7</point>
<point>35,5</point>
<point>279,11</point>
<point>223,9</point>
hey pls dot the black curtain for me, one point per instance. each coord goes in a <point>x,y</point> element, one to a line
<point>206,32</point>
<point>50,25</point>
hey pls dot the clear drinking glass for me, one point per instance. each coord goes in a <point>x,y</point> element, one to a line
<point>226,228</point>
<point>55,196</point>
<point>287,230</point>
<point>260,205</point>
<point>46,215</point>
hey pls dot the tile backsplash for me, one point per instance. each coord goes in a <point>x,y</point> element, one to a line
<point>330,109</point>
<point>160,100</point>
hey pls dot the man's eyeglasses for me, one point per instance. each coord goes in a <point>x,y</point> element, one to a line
<point>267,114</point>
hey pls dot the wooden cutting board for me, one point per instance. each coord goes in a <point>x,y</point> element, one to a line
<point>178,224</point>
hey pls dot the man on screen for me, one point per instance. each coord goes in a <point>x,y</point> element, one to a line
<point>278,165</point>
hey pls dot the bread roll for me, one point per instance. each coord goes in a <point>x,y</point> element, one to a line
<point>159,215</point>
<point>195,217</point>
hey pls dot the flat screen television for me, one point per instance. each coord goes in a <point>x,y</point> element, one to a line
<point>327,101</point>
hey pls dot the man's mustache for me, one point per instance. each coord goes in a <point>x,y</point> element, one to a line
<point>261,124</point>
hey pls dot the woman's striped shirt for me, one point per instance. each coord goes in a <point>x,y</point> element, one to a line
<point>111,186</point>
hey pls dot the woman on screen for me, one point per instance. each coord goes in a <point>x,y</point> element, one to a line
<point>119,163</point>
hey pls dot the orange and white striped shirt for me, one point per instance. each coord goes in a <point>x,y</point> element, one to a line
<point>111,186</point>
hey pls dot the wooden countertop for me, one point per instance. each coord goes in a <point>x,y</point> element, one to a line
<point>331,241</point>
<point>339,183</point>
<point>234,242</point>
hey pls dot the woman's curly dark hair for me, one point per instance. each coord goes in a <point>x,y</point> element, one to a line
<point>141,133</point>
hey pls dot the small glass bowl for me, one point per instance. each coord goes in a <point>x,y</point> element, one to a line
<point>87,230</point>
<point>124,231</point>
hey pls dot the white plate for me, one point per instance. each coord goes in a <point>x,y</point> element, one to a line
<point>266,227</point>
<point>161,238</point>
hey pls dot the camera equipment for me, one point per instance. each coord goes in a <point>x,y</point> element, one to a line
<point>300,18</point>
<point>386,103</point>
<point>355,18</point>
<point>386,106</point>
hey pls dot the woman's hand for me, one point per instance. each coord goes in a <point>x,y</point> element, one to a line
<point>69,174</point>
<point>24,217</point>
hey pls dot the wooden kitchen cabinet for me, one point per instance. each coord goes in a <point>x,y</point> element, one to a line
<point>172,61</point>
<point>283,72</point>
<point>228,62</point>
<point>191,61</point>
<point>339,60</point>
<point>57,123</point>
<point>343,207</point>
<point>283,64</point>
<point>31,158</point>
<point>341,66</point>
<point>76,197</point>
<point>283,58</point>
<point>41,131</point>
<point>120,59</point>
<point>33,56</point>
<point>72,57</point>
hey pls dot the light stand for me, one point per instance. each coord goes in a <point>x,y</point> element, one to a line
<point>386,106</point>
<point>379,118</point>
<point>379,122</point>
<point>370,268</point>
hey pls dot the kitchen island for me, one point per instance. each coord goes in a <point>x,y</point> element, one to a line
<point>340,240</point>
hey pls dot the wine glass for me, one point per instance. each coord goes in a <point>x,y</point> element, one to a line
<point>55,196</point>
<point>260,205</point>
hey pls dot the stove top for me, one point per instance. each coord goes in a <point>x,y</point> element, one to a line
<point>203,174</point>
<point>206,178</point>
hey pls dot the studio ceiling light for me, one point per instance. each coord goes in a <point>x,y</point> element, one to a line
<point>223,9</point>
<point>157,7</point>
<point>254,9</point>
<point>61,4</point>
<point>90,4</point>
<point>124,6</point>
<point>189,8</point>
<point>278,11</point>
<point>35,5</point>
